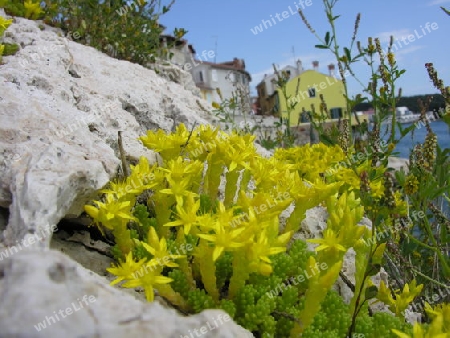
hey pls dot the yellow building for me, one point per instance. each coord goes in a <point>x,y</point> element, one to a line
<point>312,85</point>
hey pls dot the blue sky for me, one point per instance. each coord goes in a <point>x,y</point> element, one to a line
<point>232,24</point>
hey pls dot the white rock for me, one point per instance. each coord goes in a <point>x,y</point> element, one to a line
<point>61,106</point>
<point>45,287</point>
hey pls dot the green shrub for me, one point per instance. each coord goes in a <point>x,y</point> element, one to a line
<point>122,30</point>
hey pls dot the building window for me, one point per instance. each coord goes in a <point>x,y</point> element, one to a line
<point>214,75</point>
<point>243,78</point>
<point>200,76</point>
<point>336,113</point>
<point>304,117</point>
<point>312,92</point>
<point>276,105</point>
<point>232,77</point>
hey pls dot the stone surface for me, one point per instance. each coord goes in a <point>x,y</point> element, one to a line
<point>176,74</point>
<point>61,106</point>
<point>40,287</point>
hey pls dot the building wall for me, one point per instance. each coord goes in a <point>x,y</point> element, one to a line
<point>331,88</point>
<point>219,78</point>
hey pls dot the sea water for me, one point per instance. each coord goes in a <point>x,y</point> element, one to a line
<point>417,135</point>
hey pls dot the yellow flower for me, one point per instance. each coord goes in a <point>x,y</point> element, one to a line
<point>179,190</point>
<point>411,184</point>
<point>148,280</point>
<point>4,24</point>
<point>238,151</point>
<point>330,240</point>
<point>391,59</point>
<point>223,238</point>
<point>179,168</point>
<point>402,300</point>
<point>168,146</point>
<point>186,218</point>
<point>32,10</point>
<point>260,251</point>
<point>216,105</point>
<point>112,209</point>
<point>158,248</point>
<point>126,269</point>
<point>437,329</point>
<point>141,179</point>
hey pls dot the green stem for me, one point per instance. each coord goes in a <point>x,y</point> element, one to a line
<point>240,274</point>
<point>166,291</point>
<point>183,263</point>
<point>122,237</point>
<point>208,270</point>
<point>231,187</point>
<point>436,250</point>
<point>335,50</point>
<point>430,279</point>
<point>293,223</point>
<point>212,181</point>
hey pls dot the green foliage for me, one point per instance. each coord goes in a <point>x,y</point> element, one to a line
<point>228,109</point>
<point>419,244</point>
<point>124,30</point>
<point>10,49</point>
<point>26,8</point>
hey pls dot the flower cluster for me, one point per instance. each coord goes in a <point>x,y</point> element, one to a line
<point>238,244</point>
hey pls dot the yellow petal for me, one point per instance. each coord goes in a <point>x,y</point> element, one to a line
<point>91,211</point>
<point>148,248</point>
<point>162,280</point>
<point>217,252</point>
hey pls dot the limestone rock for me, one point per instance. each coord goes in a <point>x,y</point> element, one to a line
<point>61,106</point>
<point>174,73</point>
<point>45,294</point>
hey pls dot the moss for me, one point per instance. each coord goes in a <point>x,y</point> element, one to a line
<point>10,49</point>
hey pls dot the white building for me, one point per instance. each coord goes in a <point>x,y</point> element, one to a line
<point>269,80</point>
<point>230,77</point>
